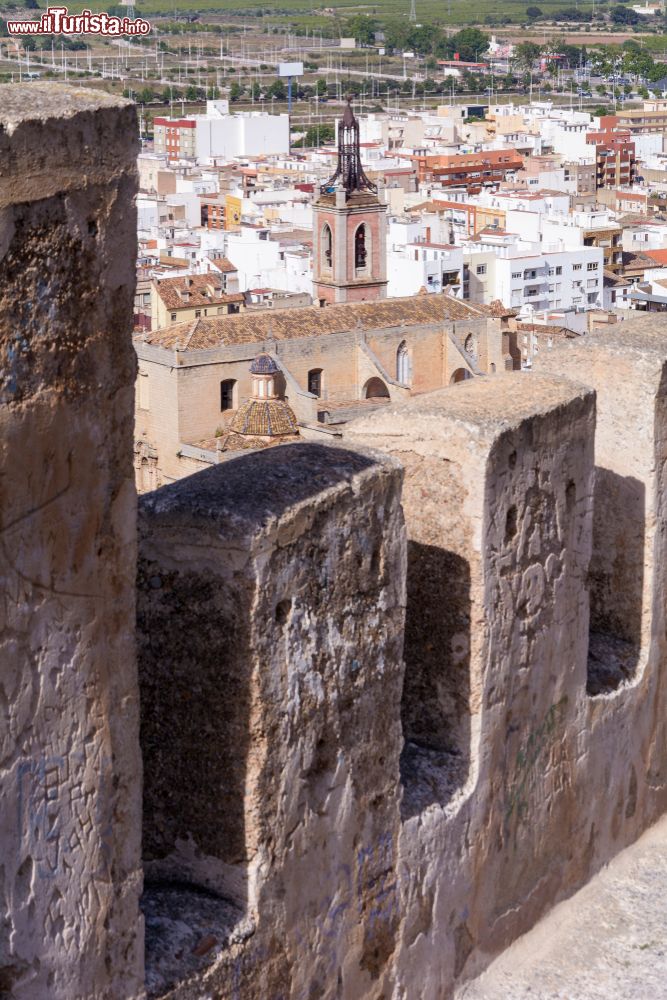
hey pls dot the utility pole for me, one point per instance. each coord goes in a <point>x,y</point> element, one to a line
<point>413,11</point>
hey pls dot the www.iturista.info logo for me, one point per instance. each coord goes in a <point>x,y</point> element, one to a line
<point>58,21</point>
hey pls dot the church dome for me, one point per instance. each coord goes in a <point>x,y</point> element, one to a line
<point>263,364</point>
<point>265,418</point>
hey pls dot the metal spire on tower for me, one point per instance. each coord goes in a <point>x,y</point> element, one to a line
<point>349,171</point>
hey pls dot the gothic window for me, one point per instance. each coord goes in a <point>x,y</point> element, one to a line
<point>327,246</point>
<point>315,381</point>
<point>403,364</point>
<point>227,393</point>
<point>360,252</point>
<point>470,346</point>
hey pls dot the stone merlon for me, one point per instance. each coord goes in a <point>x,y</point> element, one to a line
<point>373,709</point>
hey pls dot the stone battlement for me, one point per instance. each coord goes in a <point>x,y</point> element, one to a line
<point>388,701</point>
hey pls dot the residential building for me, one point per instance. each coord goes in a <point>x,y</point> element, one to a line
<point>529,277</point>
<point>472,171</point>
<point>615,161</point>
<point>175,137</point>
<point>184,299</point>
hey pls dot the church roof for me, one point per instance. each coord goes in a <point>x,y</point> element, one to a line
<point>312,321</point>
<point>264,418</point>
<point>263,364</point>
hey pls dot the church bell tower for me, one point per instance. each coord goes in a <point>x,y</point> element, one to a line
<point>349,228</point>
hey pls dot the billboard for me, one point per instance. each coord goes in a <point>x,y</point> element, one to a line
<point>290,69</point>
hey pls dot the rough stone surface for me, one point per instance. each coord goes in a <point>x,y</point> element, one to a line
<point>315,829</point>
<point>70,873</point>
<point>566,702</point>
<point>498,494</point>
<point>270,613</point>
<point>605,943</point>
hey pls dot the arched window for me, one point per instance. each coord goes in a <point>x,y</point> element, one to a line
<point>327,246</point>
<point>360,250</point>
<point>315,381</point>
<point>403,364</point>
<point>460,375</point>
<point>228,394</point>
<point>470,346</point>
<point>376,389</point>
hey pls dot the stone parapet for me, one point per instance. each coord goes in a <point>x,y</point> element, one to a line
<point>69,753</point>
<point>498,507</point>
<point>535,738</point>
<point>395,703</point>
<point>271,607</point>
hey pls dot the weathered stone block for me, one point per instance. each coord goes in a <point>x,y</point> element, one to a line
<point>271,606</point>
<point>498,507</point>
<point>626,768</point>
<point>69,753</point>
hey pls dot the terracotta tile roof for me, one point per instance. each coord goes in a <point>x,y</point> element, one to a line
<point>612,280</point>
<point>638,259</point>
<point>264,418</point>
<point>548,329</point>
<point>659,256</point>
<point>498,310</point>
<point>242,442</point>
<point>203,290</point>
<point>312,321</point>
<point>223,264</point>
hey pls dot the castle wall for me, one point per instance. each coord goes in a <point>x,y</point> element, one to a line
<point>498,505</point>
<point>338,804</point>
<point>69,754</point>
<point>270,609</point>
<point>543,757</point>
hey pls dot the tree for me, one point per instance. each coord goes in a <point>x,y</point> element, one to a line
<point>144,96</point>
<point>532,13</point>
<point>624,15</point>
<point>316,135</point>
<point>321,88</point>
<point>235,91</point>
<point>574,54</point>
<point>277,90</point>
<point>191,93</point>
<point>470,43</point>
<point>255,91</point>
<point>362,28</point>
<point>422,39</point>
<point>526,54</point>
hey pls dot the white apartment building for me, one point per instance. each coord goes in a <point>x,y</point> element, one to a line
<point>246,133</point>
<point>531,278</point>
<point>434,267</point>
<point>263,262</point>
<point>645,236</point>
